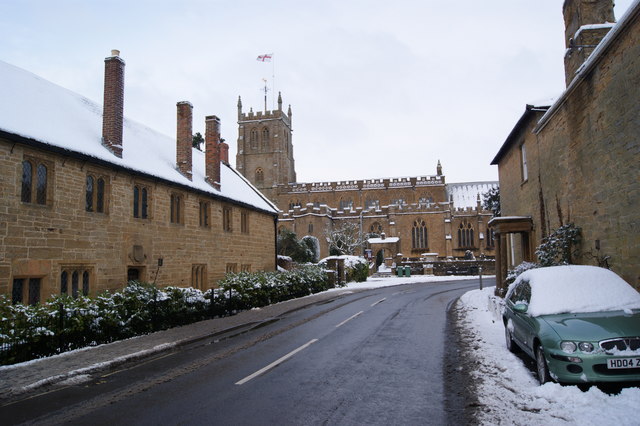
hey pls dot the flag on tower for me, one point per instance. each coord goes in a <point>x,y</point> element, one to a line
<point>265,58</point>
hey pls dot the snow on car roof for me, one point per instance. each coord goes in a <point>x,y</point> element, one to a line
<point>576,289</point>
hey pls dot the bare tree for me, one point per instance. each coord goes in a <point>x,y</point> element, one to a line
<point>345,239</point>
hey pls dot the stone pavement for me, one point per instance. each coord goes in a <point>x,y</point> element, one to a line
<point>28,376</point>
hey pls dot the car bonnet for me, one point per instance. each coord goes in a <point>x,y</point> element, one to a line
<point>594,326</point>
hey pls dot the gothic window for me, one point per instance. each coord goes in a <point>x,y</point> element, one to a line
<point>95,199</point>
<point>465,235</point>
<point>346,204</point>
<point>245,267</point>
<point>204,214</point>
<point>293,204</point>
<point>265,139</point>
<point>35,177</point>
<point>259,175</point>
<point>398,201</point>
<point>376,228</point>
<point>75,280</point>
<point>371,203</point>
<point>426,200</point>
<point>227,219</point>
<point>141,201</point>
<point>232,268</point>
<point>253,138</point>
<point>419,235</point>
<point>177,209</point>
<point>491,238</point>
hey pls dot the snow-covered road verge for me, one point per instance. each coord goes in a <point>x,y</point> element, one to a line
<point>508,392</point>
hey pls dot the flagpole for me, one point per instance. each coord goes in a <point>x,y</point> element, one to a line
<point>273,78</point>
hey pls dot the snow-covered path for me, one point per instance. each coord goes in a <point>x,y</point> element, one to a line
<point>509,392</point>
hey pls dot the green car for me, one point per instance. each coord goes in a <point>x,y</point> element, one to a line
<point>581,324</point>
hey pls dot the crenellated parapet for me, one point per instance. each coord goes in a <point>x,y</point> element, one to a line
<point>357,185</point>
<point>264,115</point>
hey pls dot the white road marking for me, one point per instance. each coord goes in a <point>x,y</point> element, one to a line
<point>379,301</point>
<point>349,319</point>
<point>276,362</point>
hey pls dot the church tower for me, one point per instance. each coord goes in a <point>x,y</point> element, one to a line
<point>265,148</point>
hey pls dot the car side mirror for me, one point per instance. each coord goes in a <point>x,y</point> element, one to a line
<point>520,308</point>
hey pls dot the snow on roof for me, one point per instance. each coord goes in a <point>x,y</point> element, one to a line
<point>577,288</point>
<point>465,194</point>
<point>37,109</point>
<point>382,241</point>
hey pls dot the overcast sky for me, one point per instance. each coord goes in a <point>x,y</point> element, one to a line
<point>377,88</point>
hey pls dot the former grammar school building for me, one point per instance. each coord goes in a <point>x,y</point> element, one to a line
<point>90,200</point>
<point>578,160</point>
<point>410,217</point>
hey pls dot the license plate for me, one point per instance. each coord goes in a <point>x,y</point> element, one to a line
<point>619,363</point>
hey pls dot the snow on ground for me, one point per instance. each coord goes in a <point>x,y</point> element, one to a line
<point>509,392</point>
<point>393,280</point>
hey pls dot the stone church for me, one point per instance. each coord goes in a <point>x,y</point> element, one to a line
<point>406,217</point>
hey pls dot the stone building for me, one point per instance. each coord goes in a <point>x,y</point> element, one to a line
<point>415,215</point>
<point>91,200</point>
<point>576,159</point>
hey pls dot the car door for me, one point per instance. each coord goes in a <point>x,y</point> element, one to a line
<point>523,324</point>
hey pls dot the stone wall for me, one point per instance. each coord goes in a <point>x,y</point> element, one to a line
<point>41,240</point>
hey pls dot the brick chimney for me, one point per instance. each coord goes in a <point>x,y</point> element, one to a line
<point>212,151</point>
<point>586,23</point>
<point>184,138</point>
<point>113,107</point>
<point>223,148</point>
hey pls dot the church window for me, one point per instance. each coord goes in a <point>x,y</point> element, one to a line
<point>376,228</point>
<point>95,194</point>
<point>294,203</point>
<point>426,200</point>
<point>259,175</point>
<point>371,203</point>
<point>35,177</point>
<point>140,202</point>
<point>177,209</point>
<point>253,138</point>
<point>491,238</point>
<point>465,235</point>
<point>419,235</point>
<point>346,204</point>
<point>265,139</point>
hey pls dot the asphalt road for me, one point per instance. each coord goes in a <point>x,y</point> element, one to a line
<point>372,357</point>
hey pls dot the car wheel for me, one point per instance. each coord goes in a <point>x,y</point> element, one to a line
<point>511,345</point>
<point>541,366</point>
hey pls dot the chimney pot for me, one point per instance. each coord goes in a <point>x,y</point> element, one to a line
<point>115,52</point>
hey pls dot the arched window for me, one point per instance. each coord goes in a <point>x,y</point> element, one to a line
<point>426,200</point>
<point>35,176</point>
<point>75,280</point>
<point>294,203</point>
<point>376,228</point>
<point>265,139</point>
<point>140,202</point>
<point>253,139</point>
<point>94,195</point>
<point>259,175</point>
<point>346,204</point>
<point>100,196</point>
<point>491,238</point>
<point>465,235</point>
<point>419,235</point>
